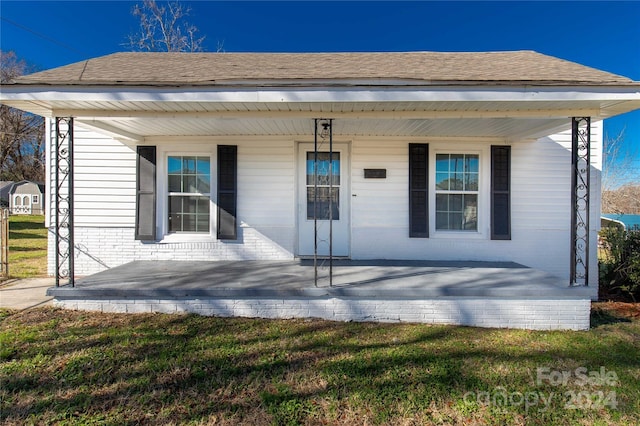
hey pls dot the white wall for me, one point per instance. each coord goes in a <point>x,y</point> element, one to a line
<point>541,211</point>
<point>540,205</point>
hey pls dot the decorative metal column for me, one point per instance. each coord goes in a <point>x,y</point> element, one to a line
<point>580,179</point>
<point>63,201</point>
<point>325,132</point>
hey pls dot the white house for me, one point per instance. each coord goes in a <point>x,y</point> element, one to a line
<point>435,156</point>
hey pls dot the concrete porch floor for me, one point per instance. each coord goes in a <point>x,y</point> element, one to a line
<point>481,294</point>
<point>351,278</point>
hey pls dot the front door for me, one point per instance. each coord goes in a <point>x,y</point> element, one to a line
<point>331,201</point>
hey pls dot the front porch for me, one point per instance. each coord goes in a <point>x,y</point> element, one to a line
<point>485,294</point>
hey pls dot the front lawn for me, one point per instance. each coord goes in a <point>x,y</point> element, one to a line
<point>27,246</point>
<point>71,367</point>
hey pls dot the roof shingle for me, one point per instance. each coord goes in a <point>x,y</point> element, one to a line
<point>210,69</point>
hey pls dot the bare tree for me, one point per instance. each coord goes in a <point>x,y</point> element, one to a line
<point>620,178</point>
<point>21,133</point>
<point>163,29</point>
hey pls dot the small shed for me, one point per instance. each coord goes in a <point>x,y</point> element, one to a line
<point>26,197</point>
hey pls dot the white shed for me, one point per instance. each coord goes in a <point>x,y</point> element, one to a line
<point>26,197</point>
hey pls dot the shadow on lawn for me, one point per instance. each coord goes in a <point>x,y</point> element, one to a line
<point>119,368</point>
<point>22,224</point>
<point>13,235</point>
<point>600,317</point>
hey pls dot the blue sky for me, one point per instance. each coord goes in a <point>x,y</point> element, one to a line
<point>604,35</point>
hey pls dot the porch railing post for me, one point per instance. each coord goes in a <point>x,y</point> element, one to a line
<point>63,200</point>
<point>580,197</point>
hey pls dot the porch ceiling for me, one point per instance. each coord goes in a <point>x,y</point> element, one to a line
<point>504,128</point>
<point>513,120</point>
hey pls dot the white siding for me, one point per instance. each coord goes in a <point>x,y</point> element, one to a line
<point>541,211</point>
<point>266,184</point>
<point>541,208</point>
<point>105,180</point>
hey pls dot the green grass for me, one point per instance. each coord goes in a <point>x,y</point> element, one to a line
<point>66,367</point>
<point>27,246</point>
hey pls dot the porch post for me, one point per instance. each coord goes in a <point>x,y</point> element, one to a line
<point>315,202</point>
<point>325,132</point>
<point>330,202</point>
<point>580,179</point>
<point>63,200</point>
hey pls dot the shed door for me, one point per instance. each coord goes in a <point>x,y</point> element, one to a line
<point>337,209</point>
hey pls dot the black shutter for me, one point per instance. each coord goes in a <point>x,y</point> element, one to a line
<point>146,193</point>
<point>418,190</point>
<point>227,191</point>
<point>500,192</point>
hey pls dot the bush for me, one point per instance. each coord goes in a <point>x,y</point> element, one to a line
<point>620,263</point>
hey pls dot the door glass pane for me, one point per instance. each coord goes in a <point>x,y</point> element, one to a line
<point>323,168</point>
<point>325,203</point>
<point>322,203</point>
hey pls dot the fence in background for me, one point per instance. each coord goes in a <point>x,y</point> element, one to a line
<point>4,243</point>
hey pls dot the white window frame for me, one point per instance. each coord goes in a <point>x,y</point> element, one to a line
<point>162,186</point>
<point>484,178</point>
<point>35,199</point>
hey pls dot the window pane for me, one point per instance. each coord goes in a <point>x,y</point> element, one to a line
<point>175,205</point>
<point>442,181</point>
<point>442,163</point>
<point>189,204</point>
<point>471,182</point>
<point>175,165</point>
<point>203,166</point>
<point>189,184</point>
<point>203,205</point>
<point>203,184</point>
<point>175,222</point>
<point>175,183</point>
<point>189,165</point>
<point>202,223</point>
<point>442,202</point>
<point>456,183</point>
<point>470,212</point>
<point>455,221</point>
<point>188,223</point>
<point>455,203</point>
<point>471,165</point>
<point>456,162</point>
<point>442,220</point>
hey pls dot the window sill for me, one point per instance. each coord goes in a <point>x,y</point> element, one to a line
<point>470,235</point>
<point>187,238</point>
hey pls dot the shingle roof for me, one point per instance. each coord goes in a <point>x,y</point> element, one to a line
<point>209,69</point>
